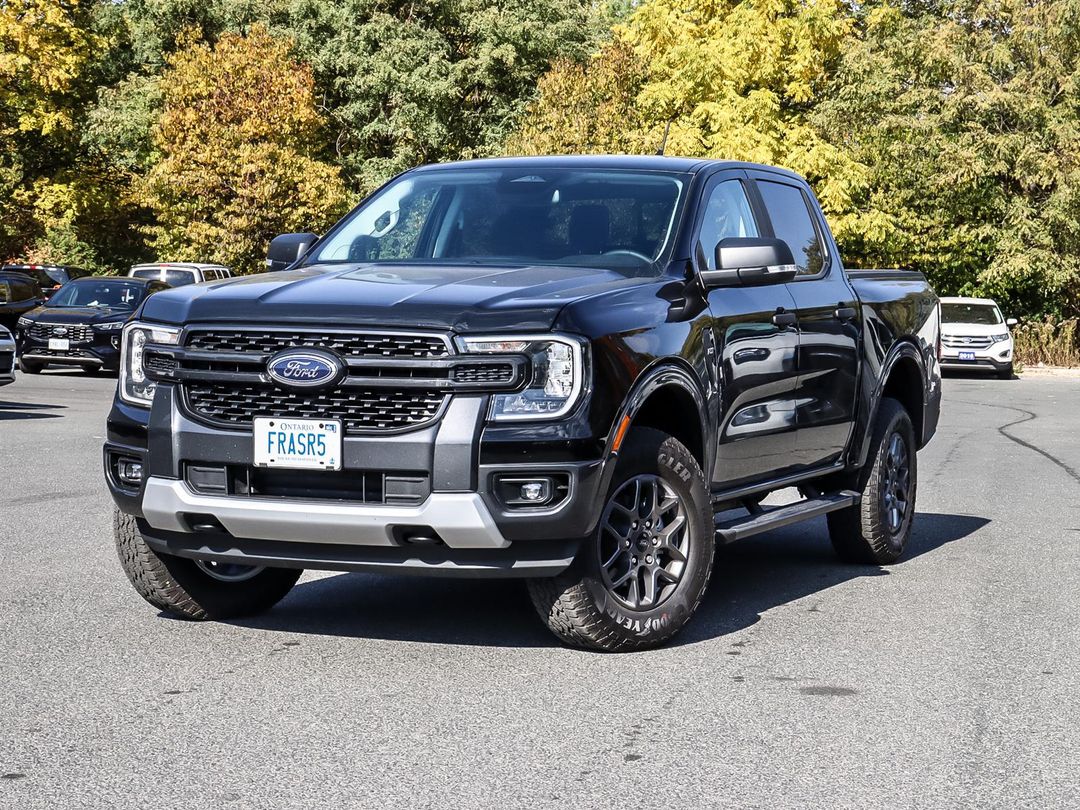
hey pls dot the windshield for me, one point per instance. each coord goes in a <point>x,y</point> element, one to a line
<point>982,314</point>
<point>172,276</point>
<point>619,220</point>
<point>99,293</point>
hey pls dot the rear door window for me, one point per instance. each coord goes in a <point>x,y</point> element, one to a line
<point>790,215</point>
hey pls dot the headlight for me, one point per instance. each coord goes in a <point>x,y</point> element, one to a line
<point>999,338</point>
<point>134,386</point>
<point>110,326</point>
<point>558,374</point>
<point>24,323</point>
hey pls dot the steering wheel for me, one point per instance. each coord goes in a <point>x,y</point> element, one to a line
<point>628,252</point>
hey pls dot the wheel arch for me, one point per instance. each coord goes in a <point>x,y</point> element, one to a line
<point>667,397</point>
<point>903,378</point>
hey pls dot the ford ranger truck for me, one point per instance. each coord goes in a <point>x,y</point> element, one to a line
<point>584,372</point>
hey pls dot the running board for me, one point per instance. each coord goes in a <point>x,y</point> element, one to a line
<point>728,531</point>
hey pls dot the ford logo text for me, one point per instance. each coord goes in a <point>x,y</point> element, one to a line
<point>303,369</point>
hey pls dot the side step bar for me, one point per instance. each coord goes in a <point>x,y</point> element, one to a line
<point>728,531</point>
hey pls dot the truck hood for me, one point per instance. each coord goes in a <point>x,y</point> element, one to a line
<point>461,298</point>
<point>79,314</point>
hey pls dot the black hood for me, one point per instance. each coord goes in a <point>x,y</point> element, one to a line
<point>79,314</point>
<point>465,298</point>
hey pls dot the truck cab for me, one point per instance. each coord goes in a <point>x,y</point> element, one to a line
<point>584,372</point>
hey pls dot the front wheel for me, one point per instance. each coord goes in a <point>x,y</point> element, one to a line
<point>637,581</point>
<point>195,589</point>
<point>877,530</point>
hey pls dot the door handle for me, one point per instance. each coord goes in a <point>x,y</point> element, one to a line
<point>782,318</point>
<point>845,313</point>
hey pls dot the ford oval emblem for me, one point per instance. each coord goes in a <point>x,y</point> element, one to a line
<point>304,368</point>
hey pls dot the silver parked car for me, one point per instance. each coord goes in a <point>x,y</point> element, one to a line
<point>177,274</point>
<point>7,357</point>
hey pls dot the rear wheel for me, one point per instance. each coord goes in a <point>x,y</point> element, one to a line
<point>28,367</point>
<point>877,529</point>
<point>197,589</point>
<point>637,581</point>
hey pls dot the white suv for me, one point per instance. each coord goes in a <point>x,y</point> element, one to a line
<point>177,274</point>
<point>975,336</point>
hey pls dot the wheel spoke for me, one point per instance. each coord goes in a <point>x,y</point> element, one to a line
<point>633,596</point>
<point>650,587</point>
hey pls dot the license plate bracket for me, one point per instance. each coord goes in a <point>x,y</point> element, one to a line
<point>297,444</point>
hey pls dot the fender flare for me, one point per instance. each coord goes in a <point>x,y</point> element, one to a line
<point>902,349</point>
<point>660,375</point>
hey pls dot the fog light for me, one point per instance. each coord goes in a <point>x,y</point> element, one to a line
<point>129,471</point>
<point>535,491</point>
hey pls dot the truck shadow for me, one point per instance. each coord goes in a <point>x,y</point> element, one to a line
<point>749,579</point>
<point>28,410</point>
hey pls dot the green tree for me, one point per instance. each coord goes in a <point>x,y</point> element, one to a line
<point>238,146</point>
<point>967,117</point>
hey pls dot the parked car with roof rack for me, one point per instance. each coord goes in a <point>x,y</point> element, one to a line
<point>7,357</point>
<point>18,295</point>
<point>80,325</point>
<point>178,274</point>
<point>49,277</point>
<point>976,337</point>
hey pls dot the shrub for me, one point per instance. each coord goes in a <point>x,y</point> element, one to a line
<point>1050,342</point>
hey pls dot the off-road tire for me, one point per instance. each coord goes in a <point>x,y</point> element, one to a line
<point>862,533</point>
<point>577,606</point>
<point>179,587</point>
<point>29,367</point>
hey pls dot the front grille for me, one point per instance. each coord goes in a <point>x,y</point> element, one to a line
<point>347,344</point>
<point>399,488</point>
<point>500,373</point>
<point>76,333</point>
<point>966,341</point>
<point>361,410</point>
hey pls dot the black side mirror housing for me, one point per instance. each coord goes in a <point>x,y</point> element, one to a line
<point>284,250</point>
<point>751,261</point>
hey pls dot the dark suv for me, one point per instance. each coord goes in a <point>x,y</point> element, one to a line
<point>49,277</point>
<point>18,295</point>
<point>80,325</point>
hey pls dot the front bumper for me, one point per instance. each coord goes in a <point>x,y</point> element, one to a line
<point>460,527</point>
<point>103,352</point>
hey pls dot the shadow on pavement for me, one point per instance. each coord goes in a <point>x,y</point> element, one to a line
<point>28,410</point>
<point>750,578</point>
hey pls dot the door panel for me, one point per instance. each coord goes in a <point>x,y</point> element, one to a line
<point>828,322</point>
<point>755,358</point>
<point>828,367</point>
<point>757,370</point>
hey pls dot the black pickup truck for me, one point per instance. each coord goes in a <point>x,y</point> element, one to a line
<point>581,371</point>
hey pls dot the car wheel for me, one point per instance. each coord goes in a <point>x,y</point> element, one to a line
<point>194,589</point>
<point>1006,373</point>
<point>27,367</point>
<point>641,575</point>
<point>877,529</point>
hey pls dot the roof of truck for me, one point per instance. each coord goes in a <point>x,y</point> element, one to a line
<point>657,163</point>
<point>989,302</point>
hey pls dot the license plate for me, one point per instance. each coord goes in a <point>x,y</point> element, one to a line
<point>60,344</point>
<point>967,355</point>
<point>298,444</point>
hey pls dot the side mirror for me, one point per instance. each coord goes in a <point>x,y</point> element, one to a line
<point>1011,322</point>
<point>750,261</point>
<point>284,250</point>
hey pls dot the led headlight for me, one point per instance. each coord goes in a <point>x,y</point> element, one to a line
<point>24,323</point>
<point>558,374</point>
<point>999,338</point>
<point>134,385</point>
<point>110,326</point>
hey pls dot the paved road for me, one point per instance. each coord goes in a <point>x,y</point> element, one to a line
<point>949,679</point>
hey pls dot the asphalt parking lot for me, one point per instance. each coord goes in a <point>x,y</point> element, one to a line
<point>947,680</point>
